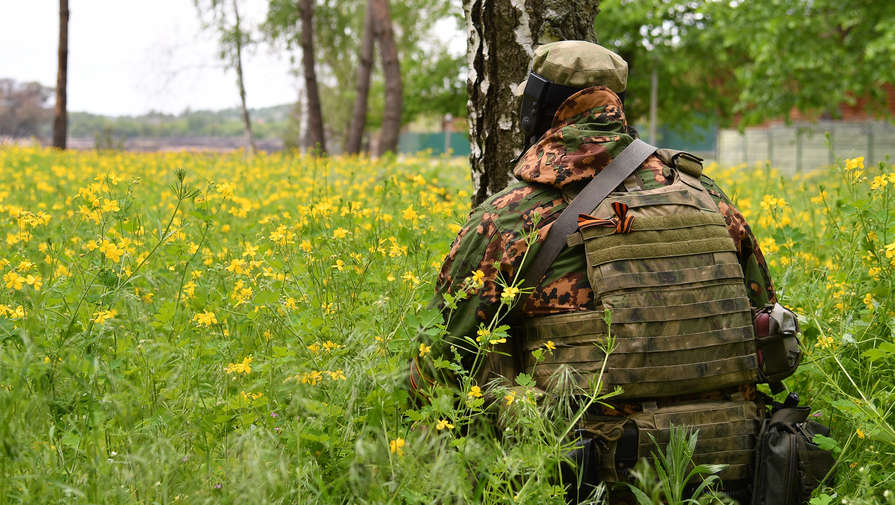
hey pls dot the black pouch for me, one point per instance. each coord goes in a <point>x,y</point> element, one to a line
<point>581,477</point>
<point>788,465</point>
<point>605,451</point>
<point>777,344</point>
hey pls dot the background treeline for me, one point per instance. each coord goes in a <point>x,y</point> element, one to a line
<point>267,123</point>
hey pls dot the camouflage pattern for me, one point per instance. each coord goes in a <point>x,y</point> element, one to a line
<point>578,64</point>
<point>589,129</point>
<point>673,283</point>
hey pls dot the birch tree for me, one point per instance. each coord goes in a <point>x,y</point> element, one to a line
<point>501,37</point>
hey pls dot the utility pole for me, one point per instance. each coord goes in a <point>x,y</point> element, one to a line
<point>60,113</point>
<point>653,104</point>
<point>447,127</point>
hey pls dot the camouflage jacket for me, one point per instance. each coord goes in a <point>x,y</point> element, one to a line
<point>588,130</point>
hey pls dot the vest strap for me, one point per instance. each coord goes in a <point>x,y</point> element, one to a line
<point>596,190</point>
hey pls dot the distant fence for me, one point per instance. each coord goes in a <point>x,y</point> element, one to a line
<point>457,142</point>
<point>806,146</point>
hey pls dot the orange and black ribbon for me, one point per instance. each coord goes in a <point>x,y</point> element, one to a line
<point>622,222</point>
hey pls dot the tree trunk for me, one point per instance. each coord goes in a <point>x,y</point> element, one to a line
<point>365,68</point>
<point>247,122</point>
<point>391,67</point>
<point>501,37</point>
<point>315,116</point>
<point>60,113</point>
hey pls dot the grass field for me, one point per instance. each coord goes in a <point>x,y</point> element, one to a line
<point>189,328</point>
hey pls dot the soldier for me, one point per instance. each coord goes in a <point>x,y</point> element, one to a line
<point>667,253</point>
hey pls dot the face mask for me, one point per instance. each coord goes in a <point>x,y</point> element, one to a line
<point>540,95</point>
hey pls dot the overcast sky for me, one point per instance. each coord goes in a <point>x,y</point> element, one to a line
<point>131,56</point>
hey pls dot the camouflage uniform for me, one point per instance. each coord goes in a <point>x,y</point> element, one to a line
<point>588,131</point>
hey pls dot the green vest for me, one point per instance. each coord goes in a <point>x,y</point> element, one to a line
<point>680,318</point>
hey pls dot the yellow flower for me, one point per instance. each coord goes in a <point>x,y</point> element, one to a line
<point>206,318</point>
<point>424,349</point>
<point>442,424</point>
<point>313,378</point>
<point>410,278</point>
<point>111,251</point>
<point>13,280</point>
<point>340,265</point>
<point>110,206</point>
<point>868,301</point>
<point>860,433</point>
<point>340,233</point>
<point>824,342</point>
<point>189,289</point>
<point>409,214</point>
<point>482,333</point>
<point>337,375</point>
<point>478,279</point>
<point>550,345</point>
<point>509,293</point>
<point>890,250</point>
<point>329,345</point>
<point>102,316</point>
<point>243,367</point>
<point>396,446</point>
<point>879,182</point>
<point>853,163</point>
<point>237,266</point>
<point>474,392</point>
<point>510,397</point>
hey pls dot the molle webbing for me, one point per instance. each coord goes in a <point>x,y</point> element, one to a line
<point>680,316</point>
<point>672,277</point>
<point>681,197</point>
<point>727,432</point>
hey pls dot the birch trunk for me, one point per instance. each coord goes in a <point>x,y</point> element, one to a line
<point>501,37</point>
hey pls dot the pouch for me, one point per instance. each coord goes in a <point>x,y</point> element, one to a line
<point>788,465</point>
<point>777,344</point>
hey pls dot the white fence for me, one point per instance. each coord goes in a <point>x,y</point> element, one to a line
<point>806,146</point>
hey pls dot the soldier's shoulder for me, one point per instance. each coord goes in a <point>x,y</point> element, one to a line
<point>712,187</point>
<point>519,197</point>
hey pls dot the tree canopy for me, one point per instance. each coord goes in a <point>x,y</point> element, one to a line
<point>745,62</point>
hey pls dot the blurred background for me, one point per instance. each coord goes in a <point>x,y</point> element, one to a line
<point>795,83</point>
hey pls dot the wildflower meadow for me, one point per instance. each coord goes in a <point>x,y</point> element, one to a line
<point>208,328</point>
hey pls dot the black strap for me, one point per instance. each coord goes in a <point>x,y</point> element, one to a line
<point>596,190</point>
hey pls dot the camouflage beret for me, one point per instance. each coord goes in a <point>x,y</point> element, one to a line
<point>580,64</point>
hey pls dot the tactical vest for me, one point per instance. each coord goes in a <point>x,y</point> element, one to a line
<point>662,262</point>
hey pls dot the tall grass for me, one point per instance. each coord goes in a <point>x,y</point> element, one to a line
<point>239,332</point>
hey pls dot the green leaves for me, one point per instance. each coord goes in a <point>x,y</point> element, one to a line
<point>525,380</point>
<point>827,444</point>
<point>884,351</point>
<point>750,61</point>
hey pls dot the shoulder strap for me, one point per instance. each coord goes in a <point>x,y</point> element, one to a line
<point>596,190</point>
